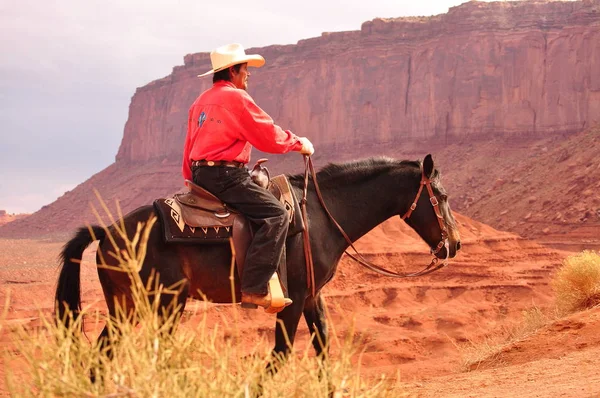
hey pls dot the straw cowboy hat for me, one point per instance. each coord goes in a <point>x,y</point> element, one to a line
<point>232,54</point>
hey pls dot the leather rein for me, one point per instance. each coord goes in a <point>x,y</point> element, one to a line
<point>435,263</point>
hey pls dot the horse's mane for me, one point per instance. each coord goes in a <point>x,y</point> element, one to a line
<point>355,171</point>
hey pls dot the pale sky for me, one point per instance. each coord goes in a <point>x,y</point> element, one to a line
<point>68,70</point>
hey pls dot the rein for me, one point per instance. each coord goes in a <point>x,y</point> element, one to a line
<point>434,265</point>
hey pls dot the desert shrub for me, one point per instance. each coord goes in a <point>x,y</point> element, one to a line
<point>533,319</point>
<point>488,351</point>
<point>576,284</point>
<point>55,360</point>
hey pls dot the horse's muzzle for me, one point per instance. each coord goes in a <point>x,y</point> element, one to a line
<point>448,250</point>
<point>454,248</point>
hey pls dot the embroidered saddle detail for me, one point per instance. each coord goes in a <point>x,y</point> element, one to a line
<point>199,217</point>
<point>183,223</point>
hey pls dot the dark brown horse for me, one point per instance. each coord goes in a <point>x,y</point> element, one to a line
<point>360,195</point>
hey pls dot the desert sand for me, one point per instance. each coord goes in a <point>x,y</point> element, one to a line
<point>415,329</point>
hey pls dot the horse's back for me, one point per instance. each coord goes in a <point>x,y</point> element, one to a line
<point>141,214</point>
<point>206,267</point>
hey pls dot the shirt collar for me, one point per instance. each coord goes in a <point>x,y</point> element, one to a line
<point>222,83</point>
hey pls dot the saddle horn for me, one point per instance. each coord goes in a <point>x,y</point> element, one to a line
<point>260,174</point>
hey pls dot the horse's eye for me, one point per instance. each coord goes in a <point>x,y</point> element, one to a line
<point>443,198</point>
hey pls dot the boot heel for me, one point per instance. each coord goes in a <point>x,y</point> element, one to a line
<point>249,306</point>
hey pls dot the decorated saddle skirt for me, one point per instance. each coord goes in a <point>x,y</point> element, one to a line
<point>199,217</point>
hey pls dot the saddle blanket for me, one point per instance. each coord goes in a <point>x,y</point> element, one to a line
<point>176,230</point>
<point>186,219</point>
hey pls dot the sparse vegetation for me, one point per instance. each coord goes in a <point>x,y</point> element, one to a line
<point>577,283</point>
<point>576,286</point>
<point>55,360</point>
<point>489,350</point>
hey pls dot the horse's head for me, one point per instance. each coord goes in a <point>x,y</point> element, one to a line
<point>429,213</point>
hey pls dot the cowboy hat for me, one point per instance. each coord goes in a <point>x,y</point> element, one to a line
<point>232,54</point>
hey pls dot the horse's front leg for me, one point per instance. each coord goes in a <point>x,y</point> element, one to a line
<point>314,314</point>
<point>285,331</point>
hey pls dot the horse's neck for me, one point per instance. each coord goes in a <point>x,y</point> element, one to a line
<point>358,209</point>
<point>357,206</point>
<point>361,206</point>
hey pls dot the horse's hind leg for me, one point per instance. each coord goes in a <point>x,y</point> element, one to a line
<point>121,309</point>
<point>170,309</point>
<point>172,306</point>
<point>106,341</point>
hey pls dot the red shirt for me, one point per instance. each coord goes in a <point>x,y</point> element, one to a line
<point>224,123</point>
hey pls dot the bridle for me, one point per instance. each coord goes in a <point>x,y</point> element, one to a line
<point>426,181</point>
<point>435,263</point>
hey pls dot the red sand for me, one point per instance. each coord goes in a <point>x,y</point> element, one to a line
<point>411,327</point>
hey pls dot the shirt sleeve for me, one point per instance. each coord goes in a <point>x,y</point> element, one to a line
<point>186,166</point>
<point>260,130</point>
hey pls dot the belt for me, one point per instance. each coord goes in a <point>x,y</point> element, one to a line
<point>196,163</point>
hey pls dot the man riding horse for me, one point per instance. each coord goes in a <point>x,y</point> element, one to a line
<point>223,124</point>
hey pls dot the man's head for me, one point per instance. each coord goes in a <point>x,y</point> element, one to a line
<point>237,74</point>
<point>227,58</point>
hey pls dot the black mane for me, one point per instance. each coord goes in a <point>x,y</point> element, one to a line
<point>354,171</point>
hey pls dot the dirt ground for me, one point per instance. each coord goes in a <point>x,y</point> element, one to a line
<point>417,328</point>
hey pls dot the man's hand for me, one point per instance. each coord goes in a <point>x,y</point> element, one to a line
<point>307,146</point>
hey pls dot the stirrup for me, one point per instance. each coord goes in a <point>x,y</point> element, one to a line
<point>278,300</point>
<point>275,310</point>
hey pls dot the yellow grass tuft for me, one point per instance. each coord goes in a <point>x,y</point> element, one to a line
<point>488,352</point>
<point>577,283</point>
<point>576,286</point>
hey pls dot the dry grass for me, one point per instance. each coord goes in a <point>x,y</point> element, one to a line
<point>148,361</point>
<point>577,283</point>
<point>488,351</point>
<point>576,286</point>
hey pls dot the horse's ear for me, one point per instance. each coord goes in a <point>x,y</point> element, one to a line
<point>428,166</point>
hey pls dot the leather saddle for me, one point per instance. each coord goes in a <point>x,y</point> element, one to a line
<point>199,217</point>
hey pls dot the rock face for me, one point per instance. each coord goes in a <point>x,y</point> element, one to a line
<point>517,72</point>
<point>518,68</point>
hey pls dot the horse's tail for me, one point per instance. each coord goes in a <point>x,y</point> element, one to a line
<point>68,291</point>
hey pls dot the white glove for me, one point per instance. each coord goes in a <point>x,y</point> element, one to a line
<point>307,146</point>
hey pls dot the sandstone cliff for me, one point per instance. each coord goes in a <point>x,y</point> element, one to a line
<point>514,71</point>
<point>517,68</point>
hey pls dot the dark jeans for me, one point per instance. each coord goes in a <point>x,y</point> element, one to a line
<point>269,218</point>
